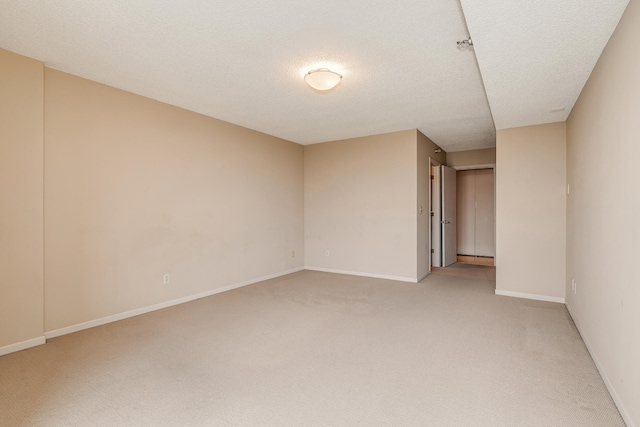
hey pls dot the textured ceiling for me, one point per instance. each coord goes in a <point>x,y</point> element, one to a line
<point>243,61</point>
<point>536,56</point>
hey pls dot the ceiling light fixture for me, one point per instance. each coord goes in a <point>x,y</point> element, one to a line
<point>322,79</point>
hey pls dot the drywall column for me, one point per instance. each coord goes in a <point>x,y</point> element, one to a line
<point>531,212</point>
<point>21,202</point>
<point>426,150</point>
<point>603,214</point>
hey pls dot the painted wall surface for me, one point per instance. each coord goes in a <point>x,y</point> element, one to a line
<point>21,192</point>
<point>360,205</point>
<point>603,214</point>
<point>136,189</point>
<point>484,157</point>
<point>531,210</point>
<point>426,150</point>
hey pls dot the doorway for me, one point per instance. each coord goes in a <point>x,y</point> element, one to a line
<point>473,226</point>
<point>475,198</point>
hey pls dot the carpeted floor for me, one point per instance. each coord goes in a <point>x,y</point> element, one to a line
<point>318,349</point>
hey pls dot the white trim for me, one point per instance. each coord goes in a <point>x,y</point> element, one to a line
<point>357,273</point>
<point>143,310</point>
<point>12,348</point>
<point>529,296</point>
<point>603,374</point>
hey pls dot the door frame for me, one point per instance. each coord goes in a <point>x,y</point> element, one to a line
<point>437,193</point>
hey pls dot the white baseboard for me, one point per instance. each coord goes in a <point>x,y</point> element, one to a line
<point>603,374</point>
<point>143,310</point>
<point>12,348</point>
<point>358,273</point>
<point>529,296</point>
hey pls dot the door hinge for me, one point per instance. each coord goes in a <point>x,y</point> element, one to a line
<point>433,251</point>
<point>432,213</point>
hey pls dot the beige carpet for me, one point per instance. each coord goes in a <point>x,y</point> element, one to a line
<point>318,349</point>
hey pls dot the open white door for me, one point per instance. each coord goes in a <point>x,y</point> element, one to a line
<point>449,251</point>
<point>436,216</point>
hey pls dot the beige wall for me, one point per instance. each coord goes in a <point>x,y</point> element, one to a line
<point>603,214</point>
<point>530,211</point>
<point>483,157</point>
<point>426,150</point>
<point>136,188</point>
<point>21,206</point>
<point>360,204</point>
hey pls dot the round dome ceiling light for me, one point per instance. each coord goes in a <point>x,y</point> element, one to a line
<point>322,79</point>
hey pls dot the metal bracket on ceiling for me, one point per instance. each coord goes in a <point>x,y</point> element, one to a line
<point>464,44</point>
